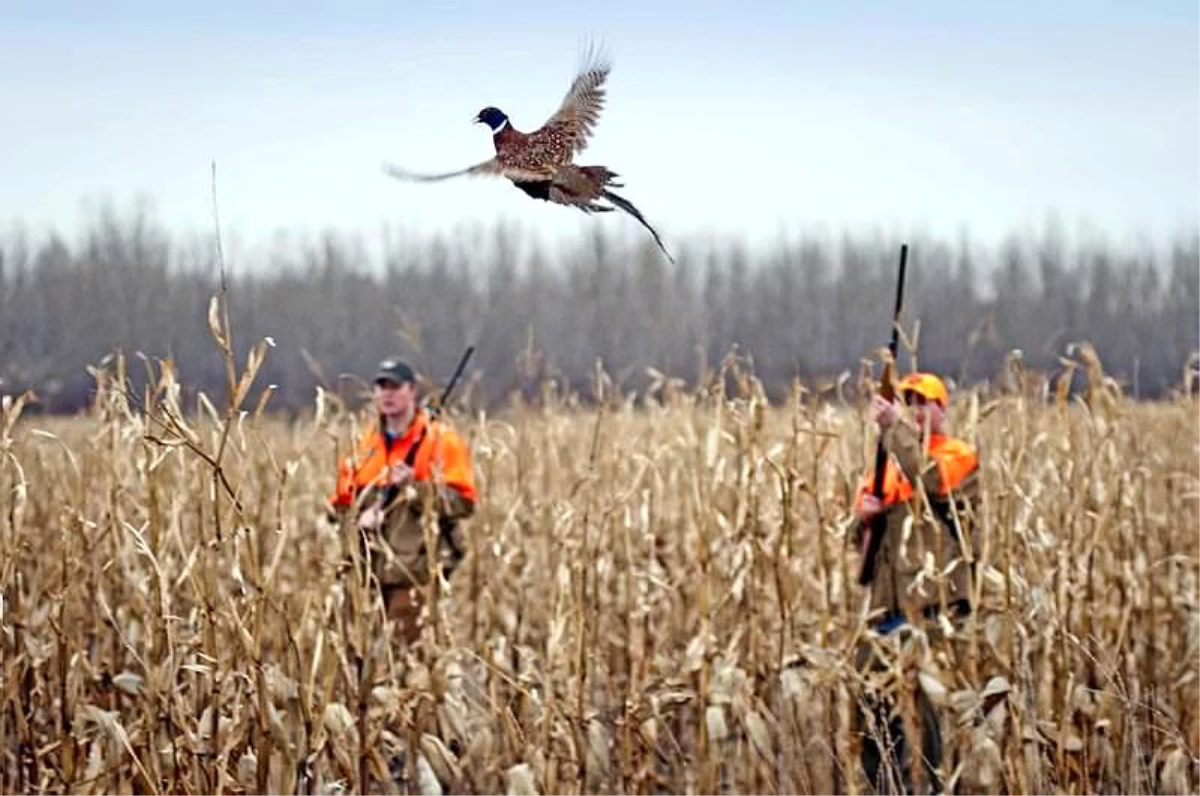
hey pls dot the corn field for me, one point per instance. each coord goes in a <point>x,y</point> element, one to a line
<point>659,597</point>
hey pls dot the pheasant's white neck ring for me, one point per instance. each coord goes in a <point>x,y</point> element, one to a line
<point>500,128</point>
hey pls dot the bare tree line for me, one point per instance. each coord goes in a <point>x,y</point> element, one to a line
<point>810,307</point>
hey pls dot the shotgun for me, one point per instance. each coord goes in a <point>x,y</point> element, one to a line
<point>887,390</point>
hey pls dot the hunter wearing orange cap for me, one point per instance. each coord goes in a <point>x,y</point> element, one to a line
<point>921,452</point>
<point>405,462</point>
<point>921,568</point>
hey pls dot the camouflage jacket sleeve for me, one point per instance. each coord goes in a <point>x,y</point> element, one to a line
<point>903,440</point>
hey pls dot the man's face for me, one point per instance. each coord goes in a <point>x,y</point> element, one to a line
<point>392,398</point>
<point>926,411</point>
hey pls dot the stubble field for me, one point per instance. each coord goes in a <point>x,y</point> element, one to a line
<point>659,597</point>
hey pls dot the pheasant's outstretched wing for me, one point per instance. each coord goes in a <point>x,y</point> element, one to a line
<point>579,112</point>
<point>488,168</point>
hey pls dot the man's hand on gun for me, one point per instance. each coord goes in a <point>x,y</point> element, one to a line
<point>884,411</point>
<point>400,475</point>
<point>371,516</point>
<point>869,507</point>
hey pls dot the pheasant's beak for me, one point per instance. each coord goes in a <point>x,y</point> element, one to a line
<point>476,119</point>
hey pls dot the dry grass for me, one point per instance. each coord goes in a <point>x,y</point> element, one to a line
<point>659,597</point>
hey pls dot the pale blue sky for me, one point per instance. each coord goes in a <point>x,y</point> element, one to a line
<point>936,116</point>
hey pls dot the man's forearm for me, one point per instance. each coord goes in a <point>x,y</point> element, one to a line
<point>903,440</point>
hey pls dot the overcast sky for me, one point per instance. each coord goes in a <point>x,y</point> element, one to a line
<point>937,116</point>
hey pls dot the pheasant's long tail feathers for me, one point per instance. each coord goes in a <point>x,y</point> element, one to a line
<point>628,207</point>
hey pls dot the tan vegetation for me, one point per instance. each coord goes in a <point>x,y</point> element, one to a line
<point>659,597</point>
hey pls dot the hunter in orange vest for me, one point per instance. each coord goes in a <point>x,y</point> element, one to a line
<point>923,567</point>
<point>920,451</point>
<point>404,463</point>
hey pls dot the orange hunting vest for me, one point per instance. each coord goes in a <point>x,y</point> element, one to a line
<point>955,459</point>
<point>438,445</point>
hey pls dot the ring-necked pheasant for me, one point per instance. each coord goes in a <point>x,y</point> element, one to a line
<point>541,163</point>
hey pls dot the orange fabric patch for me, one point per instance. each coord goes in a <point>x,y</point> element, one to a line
<point>441,448</point>
<point>955,461</point>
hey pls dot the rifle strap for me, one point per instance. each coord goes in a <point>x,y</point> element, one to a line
<point>410,458</point>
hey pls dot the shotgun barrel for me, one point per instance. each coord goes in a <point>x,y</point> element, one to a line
<point>879,521</point>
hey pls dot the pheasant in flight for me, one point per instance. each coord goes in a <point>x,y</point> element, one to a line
<point>541,163</point>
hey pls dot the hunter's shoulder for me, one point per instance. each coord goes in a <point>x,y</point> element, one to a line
<point>446,433</point>
<point>959,448</point>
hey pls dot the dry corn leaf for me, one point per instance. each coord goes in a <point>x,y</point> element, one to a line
<point>1176,773</point>
<point>599,744</point>
<point>519,781</point>
<point>759,733</point>
<point>128,682</point>
<point>427,780</point>
<point>443,762</point>
<point>718,730</point>
<point>280,687</point>
<point>933,687</point>
<point>248,771</point>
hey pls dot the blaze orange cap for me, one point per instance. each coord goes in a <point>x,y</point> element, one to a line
<point>927,385</point>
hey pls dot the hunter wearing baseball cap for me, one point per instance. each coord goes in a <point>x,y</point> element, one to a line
<point>394,371</point>
<point>405,463</point>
